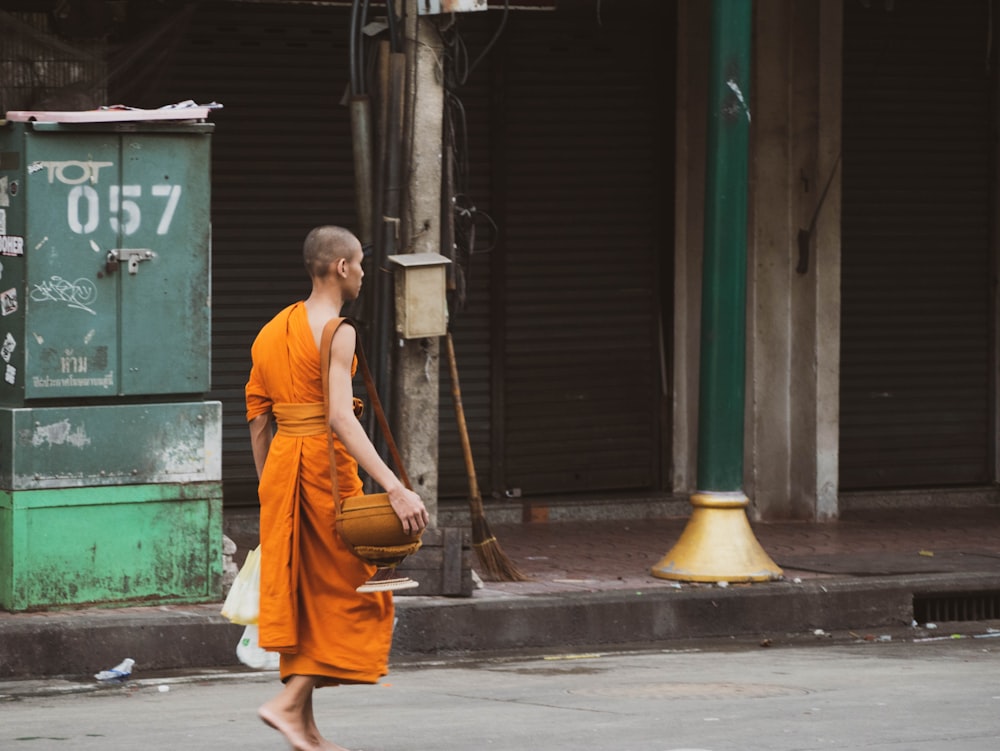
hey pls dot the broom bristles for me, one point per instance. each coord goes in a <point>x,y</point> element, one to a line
<point>496,565</point>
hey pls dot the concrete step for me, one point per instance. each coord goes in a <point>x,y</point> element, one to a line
<point>79,643</point>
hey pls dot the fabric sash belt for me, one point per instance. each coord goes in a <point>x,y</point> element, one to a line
<point>300,419</point>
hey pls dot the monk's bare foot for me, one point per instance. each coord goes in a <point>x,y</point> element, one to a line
<point>322,744</point>
<point>291,726</point>
<point>312,731</point>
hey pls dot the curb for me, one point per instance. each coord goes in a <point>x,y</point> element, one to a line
<point>80,643</point>
<point>630,616</point>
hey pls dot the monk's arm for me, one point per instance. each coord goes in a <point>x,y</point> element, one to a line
<point>261,433</point>
<point>345,424</point>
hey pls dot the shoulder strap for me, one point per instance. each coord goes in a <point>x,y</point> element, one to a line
<point>324,355</point>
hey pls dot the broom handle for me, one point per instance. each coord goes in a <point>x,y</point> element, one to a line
<point>456,395</point>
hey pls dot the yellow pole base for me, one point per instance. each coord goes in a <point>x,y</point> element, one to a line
<point>717,544</point>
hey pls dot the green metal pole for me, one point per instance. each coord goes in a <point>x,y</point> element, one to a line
<point>723,309</point>
<point>717,543</point>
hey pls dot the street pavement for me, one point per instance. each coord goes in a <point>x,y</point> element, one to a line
<point>912,690</point>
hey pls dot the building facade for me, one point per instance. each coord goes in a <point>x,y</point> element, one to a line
<point>578,139</point>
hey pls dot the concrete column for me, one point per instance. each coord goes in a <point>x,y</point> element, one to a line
<point>827,260</point>
<point>794,295</point>
<point>417,361</point>
<point>693,18</point>
<point>772,260</point>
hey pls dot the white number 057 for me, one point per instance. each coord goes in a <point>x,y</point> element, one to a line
<point>124,214</point>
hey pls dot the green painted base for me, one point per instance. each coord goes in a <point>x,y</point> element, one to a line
<point>112,546</point>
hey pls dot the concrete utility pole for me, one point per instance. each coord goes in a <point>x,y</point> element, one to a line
<point>717,544</point>
<point>417,360</point>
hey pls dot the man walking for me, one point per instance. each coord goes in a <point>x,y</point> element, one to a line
<point>326,632</point>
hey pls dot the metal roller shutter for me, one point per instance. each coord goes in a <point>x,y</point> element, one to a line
<point>471,323</point>
<point>281,165</point>
<point>579,374</point>
<point>558,351</point>
<point>916,287</point>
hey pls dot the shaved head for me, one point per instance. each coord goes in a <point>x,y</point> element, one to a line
<point>325,246</point>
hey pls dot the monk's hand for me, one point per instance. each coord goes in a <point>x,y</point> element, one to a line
<point>409,508</point>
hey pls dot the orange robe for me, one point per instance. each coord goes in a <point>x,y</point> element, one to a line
<point>309,609</point>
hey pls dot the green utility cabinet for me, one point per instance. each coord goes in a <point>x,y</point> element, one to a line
<point>110,456</point>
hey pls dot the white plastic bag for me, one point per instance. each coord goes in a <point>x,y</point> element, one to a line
<point>249,651</point>
<point>242,604</point>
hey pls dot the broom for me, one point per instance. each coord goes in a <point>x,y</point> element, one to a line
<point>496,565</point>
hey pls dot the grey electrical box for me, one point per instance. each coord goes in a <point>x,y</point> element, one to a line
<point>421,305</point>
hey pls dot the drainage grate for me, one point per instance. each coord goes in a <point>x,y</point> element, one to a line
<point>968,606</point>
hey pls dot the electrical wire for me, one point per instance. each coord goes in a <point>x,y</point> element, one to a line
<point>395,38</point>
<point>467,216</point>
<point>455,71</point>
<point>496,36</point>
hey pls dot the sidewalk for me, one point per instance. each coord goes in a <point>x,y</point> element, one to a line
<point>590,586</point>
<point>566,556</point>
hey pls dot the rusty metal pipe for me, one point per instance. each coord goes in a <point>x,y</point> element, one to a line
<point>361,137</point>
<point>391,222</point>
<point>394,150</point>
